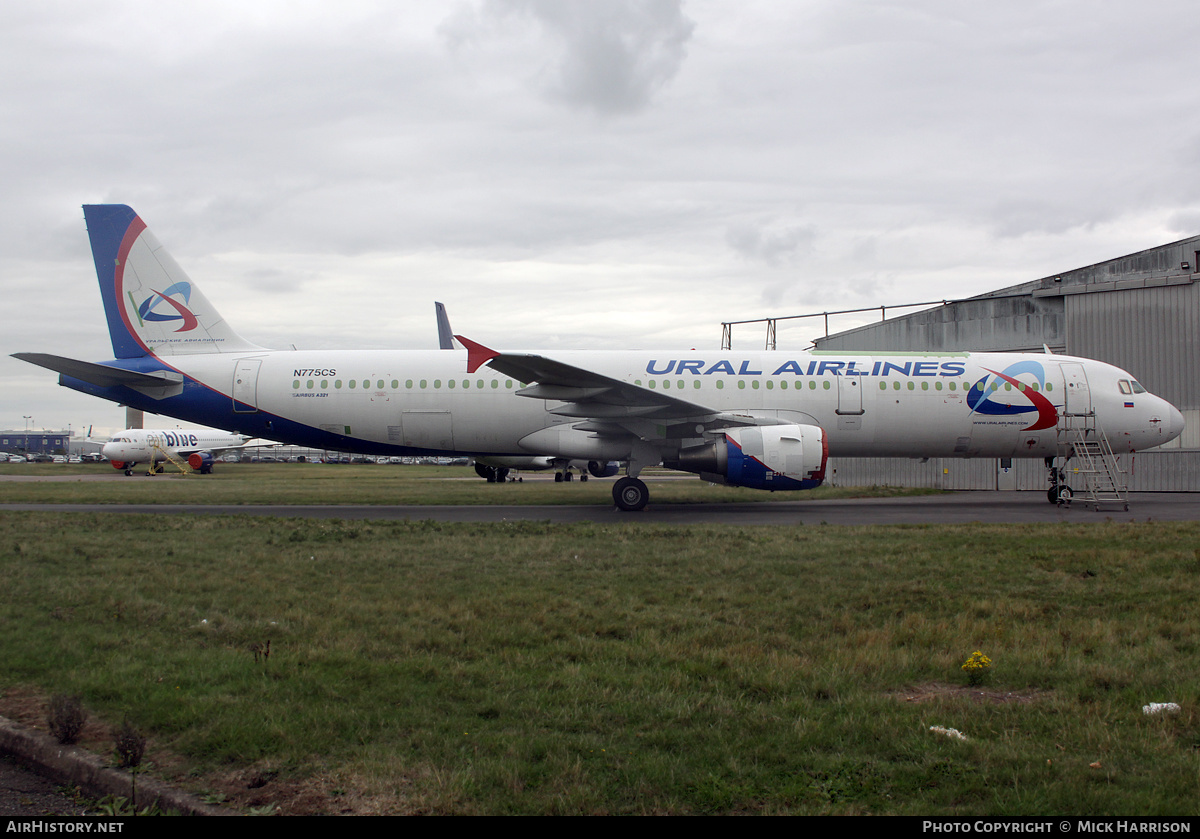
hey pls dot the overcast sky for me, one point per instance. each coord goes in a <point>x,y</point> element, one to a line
<point>577,173</point>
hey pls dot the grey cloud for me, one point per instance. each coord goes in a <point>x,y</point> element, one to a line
<point>772,246</point>
<point>610,58</point>
<point>1034,215</point>
<point>1185,223</point>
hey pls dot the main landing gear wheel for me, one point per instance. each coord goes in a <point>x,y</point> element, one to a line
<point>1060,495</point>
<point>630,494</point>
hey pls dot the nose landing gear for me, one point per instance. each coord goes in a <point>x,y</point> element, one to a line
<point>1059,493</point>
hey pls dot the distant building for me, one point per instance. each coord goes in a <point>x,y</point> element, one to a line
<point>35,442</point>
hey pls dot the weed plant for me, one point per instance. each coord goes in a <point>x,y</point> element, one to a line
<point>66,718</point>
<point>536,668</point>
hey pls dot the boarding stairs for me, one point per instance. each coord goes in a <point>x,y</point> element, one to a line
<point>1091,465</point>
<point>163,455</point>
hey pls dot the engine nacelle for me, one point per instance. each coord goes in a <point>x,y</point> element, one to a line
<point>600,469</point>
<point>571,443</point>
<point>772,457</point>
<point>120,464</point>
<point>201,462</point>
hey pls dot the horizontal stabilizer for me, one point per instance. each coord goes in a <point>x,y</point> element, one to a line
<point>99,374</point>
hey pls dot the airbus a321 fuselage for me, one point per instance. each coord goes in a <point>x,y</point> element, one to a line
<point>766,420</point>
<point>199,446</point>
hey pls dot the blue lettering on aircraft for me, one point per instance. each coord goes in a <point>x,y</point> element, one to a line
<point>721,366</point>
<point>830,367</point>
<point>788,367</point>
<point>172,438</point>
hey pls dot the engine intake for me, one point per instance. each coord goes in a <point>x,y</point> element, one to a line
<point>202,462</point>
<point>603,469</point>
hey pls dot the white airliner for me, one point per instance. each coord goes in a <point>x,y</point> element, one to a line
<point>766,420</point>
<point>199,446</point>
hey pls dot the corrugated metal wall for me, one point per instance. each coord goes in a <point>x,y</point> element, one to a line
<point>1152,471</point>
<point>1154,333</point>
<point>1005,323</point>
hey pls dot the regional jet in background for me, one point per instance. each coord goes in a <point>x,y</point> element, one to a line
<point>765,420</point>
<point>200,447</point>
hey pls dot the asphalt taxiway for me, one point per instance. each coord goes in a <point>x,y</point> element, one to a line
<point>947,508</point>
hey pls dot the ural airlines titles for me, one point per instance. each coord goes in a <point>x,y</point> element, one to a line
<point>700,367</point>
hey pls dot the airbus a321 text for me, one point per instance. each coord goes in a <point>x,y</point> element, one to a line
<point>199,446</point>
<point>766,420</point>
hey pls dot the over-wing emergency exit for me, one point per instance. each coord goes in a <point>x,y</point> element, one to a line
<point>766,420</point>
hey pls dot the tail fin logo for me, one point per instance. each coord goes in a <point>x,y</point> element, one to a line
<point>147,310</point>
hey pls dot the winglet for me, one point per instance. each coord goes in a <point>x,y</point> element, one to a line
<point>477,354</point>
<point>445,342</point>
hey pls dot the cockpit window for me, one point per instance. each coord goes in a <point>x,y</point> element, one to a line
<point>1137,388</point>
<point>1124,385</point>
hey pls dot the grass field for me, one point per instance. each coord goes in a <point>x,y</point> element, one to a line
<point>637,668</point>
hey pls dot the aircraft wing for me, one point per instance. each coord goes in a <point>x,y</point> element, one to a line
<point>248,443</point>
<point>99,375</point>
<point>593,396</point>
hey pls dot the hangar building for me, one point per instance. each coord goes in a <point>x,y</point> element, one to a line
<point>1140,312</point>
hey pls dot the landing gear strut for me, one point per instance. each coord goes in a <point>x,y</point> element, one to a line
<point>1059,493</point>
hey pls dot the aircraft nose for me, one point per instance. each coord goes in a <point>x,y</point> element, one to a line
<point>1174,423</point>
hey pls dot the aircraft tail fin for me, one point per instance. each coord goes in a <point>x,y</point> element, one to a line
<point>152,306</point>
